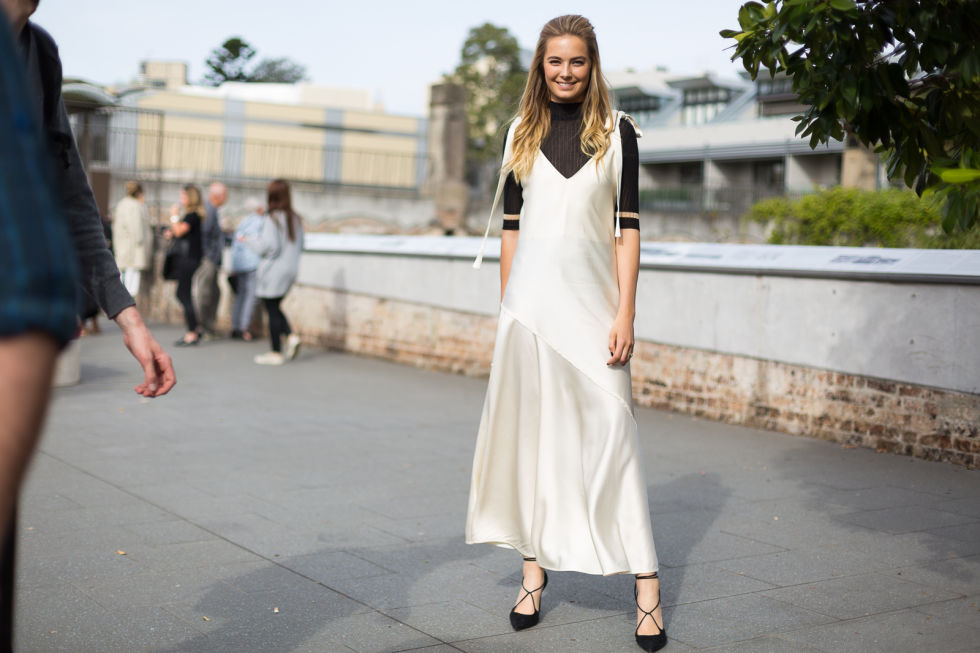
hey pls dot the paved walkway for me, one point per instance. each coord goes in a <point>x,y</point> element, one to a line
<point>319,507</point>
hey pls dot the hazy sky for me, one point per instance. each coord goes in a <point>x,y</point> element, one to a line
<point>392,48</point>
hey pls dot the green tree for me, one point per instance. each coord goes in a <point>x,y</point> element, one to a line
<point>491,71</point>
<point>902,76</point>
<point>227,62</point>
<point>230,63</point>
<point>280,71</point>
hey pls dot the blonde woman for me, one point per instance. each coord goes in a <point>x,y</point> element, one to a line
<point>557,474</point>
<point>186,228</point>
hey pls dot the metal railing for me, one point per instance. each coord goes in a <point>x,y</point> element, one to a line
<point>695,198</point>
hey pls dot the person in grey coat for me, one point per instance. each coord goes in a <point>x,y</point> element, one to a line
<point>280,245</point>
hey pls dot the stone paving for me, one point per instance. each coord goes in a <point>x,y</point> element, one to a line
<point>319,507</point>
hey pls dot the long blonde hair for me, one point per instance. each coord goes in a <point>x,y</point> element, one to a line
<point>535,112</point>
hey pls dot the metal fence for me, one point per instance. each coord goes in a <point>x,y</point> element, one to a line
<point>135,144</point>
<point>697,199</point>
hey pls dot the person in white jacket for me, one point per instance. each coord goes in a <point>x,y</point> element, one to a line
<point>132,237</point>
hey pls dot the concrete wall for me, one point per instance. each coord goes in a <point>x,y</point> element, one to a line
<point>885,362</point>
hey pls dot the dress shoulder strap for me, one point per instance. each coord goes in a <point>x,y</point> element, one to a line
<point>495,208</point>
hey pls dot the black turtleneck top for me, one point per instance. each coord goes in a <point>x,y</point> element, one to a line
<point>562,147</point>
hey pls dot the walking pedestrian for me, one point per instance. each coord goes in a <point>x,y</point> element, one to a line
<point>132,237</point>
<point>49,222</point>
<point>557,473</point>
<point>244,263</point>
<point>279,246</point>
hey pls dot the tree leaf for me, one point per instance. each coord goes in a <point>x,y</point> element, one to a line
<point>958,175</point>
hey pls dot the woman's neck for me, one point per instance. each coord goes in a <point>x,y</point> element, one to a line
<point>566,110</point>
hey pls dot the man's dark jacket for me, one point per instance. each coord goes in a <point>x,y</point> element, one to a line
<point>100,276</point>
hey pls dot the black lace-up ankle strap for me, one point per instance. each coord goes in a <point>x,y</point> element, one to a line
<point>646,613</point>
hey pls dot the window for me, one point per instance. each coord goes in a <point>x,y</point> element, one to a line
<point>703,104</point>
<point>642,107</point>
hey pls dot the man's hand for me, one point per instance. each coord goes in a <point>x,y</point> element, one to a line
<point>157,366</point>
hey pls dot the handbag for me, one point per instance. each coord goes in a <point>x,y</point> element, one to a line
<point>176,254</point>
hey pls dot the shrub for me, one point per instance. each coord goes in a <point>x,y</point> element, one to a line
<point>859,218</point>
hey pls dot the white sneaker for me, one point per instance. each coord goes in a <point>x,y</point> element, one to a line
<point>292,346</point>
<point>270,358</point>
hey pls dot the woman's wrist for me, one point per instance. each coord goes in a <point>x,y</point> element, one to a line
<point>627,312</point>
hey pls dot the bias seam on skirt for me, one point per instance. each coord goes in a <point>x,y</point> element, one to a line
<point>568,360</point>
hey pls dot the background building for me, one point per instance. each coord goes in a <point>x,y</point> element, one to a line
<point>353,165</point>
<point>712,147</point>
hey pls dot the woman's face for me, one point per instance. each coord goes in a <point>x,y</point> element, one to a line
<point>567,68</point>
<point>183,198</point>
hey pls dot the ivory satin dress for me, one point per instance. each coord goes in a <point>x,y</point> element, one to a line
<point>557,473</point>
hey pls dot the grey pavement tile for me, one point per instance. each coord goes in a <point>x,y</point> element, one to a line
<point>40,502</point>
<point>960,575</point>
<point>421,529</point>
<point>452,507</point>
<point>881,497</point>
<point>172,495</point>
<point>906,631</point>
<point>329,566</point>
<point>169,532</point>
<point>62,619</point>
<point>695,583</point>
<point>799,566</point>
<point>355,536</point>
<point>965,611</point>
<point>691,538</point>
<point>263,576</point>
<point>963,532</point>
<point>905,519</point>
<point>262,536</point>
<point>70,521</point>
<point>373,632</point>
<point>610,635</point>
<point>150,628</point>
<point>720,621</point>
<point>859,596</point>
<point>438,583</point>
<point>154,588</point>
<point>767,644</point>
<point>452,620</point>
<point>188,555</point>
<point>969,506</point>
<point>906,549</point>
<point>441,648</point>
<point>78,567</point>
<point>37,541</point>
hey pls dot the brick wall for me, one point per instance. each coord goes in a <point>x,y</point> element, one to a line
<point>847,408</point>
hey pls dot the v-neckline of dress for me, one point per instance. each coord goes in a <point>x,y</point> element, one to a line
<point>558,172</point>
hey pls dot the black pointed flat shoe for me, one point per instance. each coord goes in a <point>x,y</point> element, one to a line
<point>649,643</point>
<point>521,621</point>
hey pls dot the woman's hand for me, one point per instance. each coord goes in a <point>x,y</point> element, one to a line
<point>621,340</point>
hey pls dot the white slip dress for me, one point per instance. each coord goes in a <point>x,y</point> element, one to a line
<point>557,473</point>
